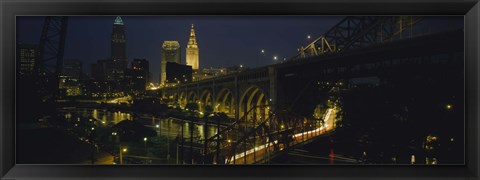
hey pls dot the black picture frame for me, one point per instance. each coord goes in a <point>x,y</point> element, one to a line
<point>9,9</point>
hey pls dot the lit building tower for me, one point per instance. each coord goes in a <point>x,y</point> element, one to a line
<point>192,51</point>
<point>143,66</point>
<point>26,58</point>
<point>136,78</point>
<point>170,53</point>
<point>70,77</point>
<point>119,54</point>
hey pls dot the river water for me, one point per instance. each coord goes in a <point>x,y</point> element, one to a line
<point>164,127</point>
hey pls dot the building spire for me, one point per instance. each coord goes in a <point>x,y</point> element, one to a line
<point>192,31</point>
<point>192,42</point>
<point>118,21</point>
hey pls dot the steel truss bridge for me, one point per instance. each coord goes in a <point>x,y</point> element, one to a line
<point>272,106</point>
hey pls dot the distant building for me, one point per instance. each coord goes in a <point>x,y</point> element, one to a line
<point>103,70</point>
<point>170,53</point>
<point>118,49</point>
<point>206,73</point>
<point>140,64</point>
<point>137,76</point>
<point>70,77</point>
<point>178,73</point>
<point>135,80</point>
<point>27,54</point>
<point>101,89</point>
<point>72,68</point>
<point>215,71</point>
<point>192,57</point>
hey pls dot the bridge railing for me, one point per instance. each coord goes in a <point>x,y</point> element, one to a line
<point>358,31</point>
<point>249,141</point>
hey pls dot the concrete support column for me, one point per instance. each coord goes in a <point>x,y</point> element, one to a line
<point>186,96</point>
<point>236,96</point>
<point>198,97</point>
<point>213,97</point>
<point>272,76</point>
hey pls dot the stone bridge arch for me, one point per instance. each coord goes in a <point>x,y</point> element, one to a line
<point>225,102</point>
<point>206,99</point>
<point>192,97</point>
<point>254,103</point>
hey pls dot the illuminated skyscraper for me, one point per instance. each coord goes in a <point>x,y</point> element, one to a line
<point>136,77</point>
<point>170,53</point>
<point>70,77</point>
<point>119,53</point>
<point>26,57</point>
<point>192,51</point>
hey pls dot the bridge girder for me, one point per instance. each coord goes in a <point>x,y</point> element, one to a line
<point>358,31</point>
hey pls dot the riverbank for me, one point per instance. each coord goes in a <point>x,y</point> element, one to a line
<point>53,146</point>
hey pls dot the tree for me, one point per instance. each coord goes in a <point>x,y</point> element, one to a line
<point>220,118</point>
<point>192,108</point>
<point>132,130</point>
<point>208,110</point>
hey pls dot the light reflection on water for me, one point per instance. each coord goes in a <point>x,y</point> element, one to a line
<point>167,127</point>
<point>173,128</point>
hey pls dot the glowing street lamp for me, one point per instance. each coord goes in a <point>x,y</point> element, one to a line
<point>145,144</point>
<point>259,56</point>
<point>122,150</point>
<point>449,106</point>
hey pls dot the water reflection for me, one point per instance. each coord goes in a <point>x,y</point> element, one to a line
<point>166,127</point>
<point>173,128</point>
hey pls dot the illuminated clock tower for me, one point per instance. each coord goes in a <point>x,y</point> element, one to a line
<point>192,51</point>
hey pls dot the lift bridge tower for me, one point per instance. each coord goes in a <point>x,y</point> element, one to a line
<point>49,63</point>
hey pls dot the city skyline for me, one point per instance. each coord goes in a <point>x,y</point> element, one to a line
<point>370,90</point>
<point>89,37</point>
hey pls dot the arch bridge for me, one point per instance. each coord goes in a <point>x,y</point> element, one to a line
<point>274,104</point>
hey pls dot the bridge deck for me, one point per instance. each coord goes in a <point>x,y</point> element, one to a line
<point>264,152</point>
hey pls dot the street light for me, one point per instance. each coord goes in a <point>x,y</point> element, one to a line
<point>122,150</point>
<point>145,144</point>
<point>449,106</point>
<point>262,53</point>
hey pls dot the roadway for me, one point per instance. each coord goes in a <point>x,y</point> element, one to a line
<point>262,153</point>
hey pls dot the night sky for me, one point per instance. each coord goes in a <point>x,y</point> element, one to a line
<point>223,40</point>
